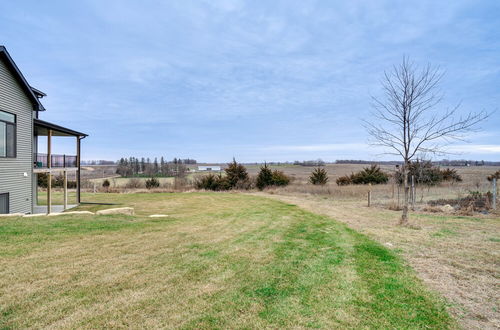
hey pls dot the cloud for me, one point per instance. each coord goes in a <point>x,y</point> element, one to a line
<point>318,147</point>
<point>476,148</point>
<point>206,79</point>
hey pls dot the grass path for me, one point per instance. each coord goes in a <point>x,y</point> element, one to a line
<point>218,261</point>
<point>454,255</point>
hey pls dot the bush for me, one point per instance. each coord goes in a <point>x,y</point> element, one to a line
<point>450,174</point>
<point>319,176</point>
<point>43,180</point>
<point>280,178</point>
<point>57,181</point>
<point>372,174</point>
<point>134,183</point>
<point>494,175</point>
<point>344,180</point>
<point>236,175</point>
<point>152,183</point>
<point>424,172</point>
<point>236,178</point>
<point>267,178</point>
<point>209,182</point>
<point>106,183</point>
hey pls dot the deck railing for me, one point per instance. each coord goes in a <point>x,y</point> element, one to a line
<point>59,161</point>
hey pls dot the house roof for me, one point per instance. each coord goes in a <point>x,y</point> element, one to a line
<point>32,93</point>
<point>38,92</point>
<point>42,127</point>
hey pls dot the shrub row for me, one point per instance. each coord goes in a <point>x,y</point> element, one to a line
<point>236,177</point>
<point>267,178</point>
<point>424,172</point>
<point>372,174</point>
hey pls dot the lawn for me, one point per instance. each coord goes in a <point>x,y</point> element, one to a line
<point>458,256</point>
<point>219,260</point>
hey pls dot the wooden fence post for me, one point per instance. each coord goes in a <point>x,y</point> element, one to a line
<point>494,193</point>
<point>398,196</point>
<point>369,194</point>
<point>413,192</point>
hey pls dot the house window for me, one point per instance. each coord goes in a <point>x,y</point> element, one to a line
<point>4,203</point>
<point>7,135</point>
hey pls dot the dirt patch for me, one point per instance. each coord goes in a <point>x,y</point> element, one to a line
<point>454,255</point>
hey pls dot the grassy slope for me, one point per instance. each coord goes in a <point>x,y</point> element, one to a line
<point>219,260</point>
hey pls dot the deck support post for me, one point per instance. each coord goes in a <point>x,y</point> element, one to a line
<point>65,190</point>
<point>49,165</point>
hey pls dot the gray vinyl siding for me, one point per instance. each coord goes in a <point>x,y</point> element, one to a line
<point>12,179</point>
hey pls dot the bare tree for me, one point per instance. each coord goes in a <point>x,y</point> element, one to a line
<point>407,122</point>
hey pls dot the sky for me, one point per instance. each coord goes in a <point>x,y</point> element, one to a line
<point>256,80</point>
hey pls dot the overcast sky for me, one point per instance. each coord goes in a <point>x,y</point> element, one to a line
<point>258,80</point>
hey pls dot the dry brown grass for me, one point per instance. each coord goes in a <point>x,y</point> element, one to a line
<point>457,256</point>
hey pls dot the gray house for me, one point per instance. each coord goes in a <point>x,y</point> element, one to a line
<point>20,160</point>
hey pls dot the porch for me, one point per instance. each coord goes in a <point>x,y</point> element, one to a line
<point>56,161</point>
<point>50,165</point>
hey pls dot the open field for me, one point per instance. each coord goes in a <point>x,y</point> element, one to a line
<point>119,182</point>
<point>455,255</point>
<point>474,176</point>
<point>387,195</point>
<point>220,260</point>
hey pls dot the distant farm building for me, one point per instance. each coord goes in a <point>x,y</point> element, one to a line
<point>208,168</point>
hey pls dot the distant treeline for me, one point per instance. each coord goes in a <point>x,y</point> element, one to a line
<point>443,162</point>
<point>463,162</point>
<point>133,166</point>
<point>366,162</point>
<point>317,162</point>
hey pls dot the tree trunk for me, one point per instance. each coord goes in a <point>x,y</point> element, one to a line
<point>404,217</point>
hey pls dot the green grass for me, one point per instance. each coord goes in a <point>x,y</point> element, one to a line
<point>218,261</point>
<point>444,232</point>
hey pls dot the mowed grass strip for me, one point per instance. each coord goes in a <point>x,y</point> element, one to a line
<point>218,261</point>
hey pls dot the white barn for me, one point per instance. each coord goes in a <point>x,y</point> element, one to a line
<point>209,168</point>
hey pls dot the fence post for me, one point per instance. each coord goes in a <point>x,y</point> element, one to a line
<point>494,193</point>
<point>413,192</point>
<point>398,195</point>
<point>369,194</point>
